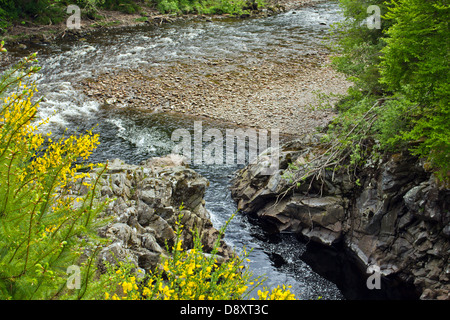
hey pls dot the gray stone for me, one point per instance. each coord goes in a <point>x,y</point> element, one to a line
<point>147,259</point>
<point>144,206</point>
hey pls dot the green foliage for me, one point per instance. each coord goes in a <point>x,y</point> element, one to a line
<point>127,6</point>
<point>7,12</point>
<point>394,117</point>
<point>416,58</point>
<point>416,63</point>
<point>405,67</point>
<point>54,11</point>
<point>234,7</point>
<point>165,6</point>
<point>41,11</point>
<point>357,47</point>
<point>44,229</point>
<point>187,275</point>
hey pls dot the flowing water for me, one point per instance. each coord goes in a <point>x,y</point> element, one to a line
<point>135,136</point>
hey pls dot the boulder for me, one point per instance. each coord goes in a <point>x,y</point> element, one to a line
<point>145,201</point>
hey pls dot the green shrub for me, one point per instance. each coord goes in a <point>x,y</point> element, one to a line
<point>168,6</point>
<point>394,118</point>
<point>188,275</point>
<point>357,47</point>
<point>415,63</point>
<point>401,75</point>
<point>43,228</point>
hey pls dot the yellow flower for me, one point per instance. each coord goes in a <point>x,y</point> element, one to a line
<point>146,291</point>
<point>127,286</point>
<point>263,295</point>
<point>165,291</point>
<point>242,289</point>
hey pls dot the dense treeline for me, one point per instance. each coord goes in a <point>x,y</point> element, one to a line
<point>54,11</point>
<point>400,71</point>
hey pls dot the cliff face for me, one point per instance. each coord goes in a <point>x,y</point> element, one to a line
<point>395,218</point>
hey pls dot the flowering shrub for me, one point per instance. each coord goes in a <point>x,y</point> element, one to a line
<point>43,227</point>
<point>191,275</point>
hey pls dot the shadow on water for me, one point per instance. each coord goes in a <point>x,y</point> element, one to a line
<point>339,265</point>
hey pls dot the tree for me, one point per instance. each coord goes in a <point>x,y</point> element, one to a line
<point>401,76</point>
<point>415,63</point>
<point>358,45</point>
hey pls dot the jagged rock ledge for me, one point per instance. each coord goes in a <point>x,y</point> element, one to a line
<point>145,204</point>
<point>396,217</point>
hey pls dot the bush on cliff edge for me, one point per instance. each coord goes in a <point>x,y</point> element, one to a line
<point>401,81</point>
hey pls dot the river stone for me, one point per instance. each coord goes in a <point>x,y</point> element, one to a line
<point>154,192</point>
<point>124,233</point>
<point>148,241</point>
<point>147,259</point>
<point>171,160</point>
<point>114,253</point>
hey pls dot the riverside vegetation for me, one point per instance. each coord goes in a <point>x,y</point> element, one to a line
<point>54,11</point>
<point>39,227</point>
<point>400,73</point>
<point>47,224</point>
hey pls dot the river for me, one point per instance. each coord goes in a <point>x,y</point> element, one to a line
<point>135,136</point>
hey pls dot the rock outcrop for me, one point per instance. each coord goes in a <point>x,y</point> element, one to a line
<point>145,204</point>
<point>391,215</point>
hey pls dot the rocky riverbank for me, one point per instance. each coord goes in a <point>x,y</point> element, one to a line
<point>263,94</point>
<point>250,91</point>
<point>145,203</point>
<point>395,217</point>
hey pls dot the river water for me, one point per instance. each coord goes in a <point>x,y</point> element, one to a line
<point>135,136</point>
